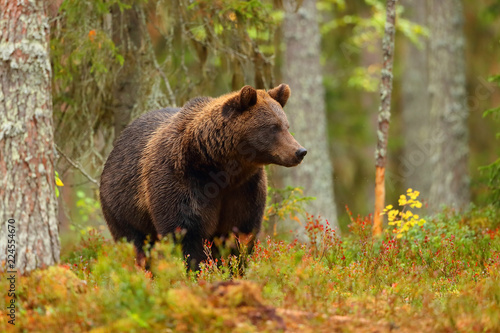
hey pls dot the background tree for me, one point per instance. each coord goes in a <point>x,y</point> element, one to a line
<point>27,193</point>
<point>449,111</point>
<point>306,108</point>
<point>415,165</point>
<point>129,34</point>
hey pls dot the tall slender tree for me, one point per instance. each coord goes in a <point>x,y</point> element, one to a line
<point>306,108</point>
<point>27,192</point>
<point>448,108</point>
<point>384,114</point>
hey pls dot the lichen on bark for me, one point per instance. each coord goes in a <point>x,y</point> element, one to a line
<point>27,193</point>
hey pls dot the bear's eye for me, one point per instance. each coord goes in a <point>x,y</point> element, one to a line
<point>275,128</point>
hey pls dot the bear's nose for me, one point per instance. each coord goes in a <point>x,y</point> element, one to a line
<point>301,153</point>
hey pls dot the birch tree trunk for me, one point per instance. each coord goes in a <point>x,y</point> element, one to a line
<point>414,165</point>
<point>384,114</point>
<point>27,192</point>
<point>306,108</point>
<point>449,112</point>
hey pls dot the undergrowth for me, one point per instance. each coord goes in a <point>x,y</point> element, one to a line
<point>440,276</point>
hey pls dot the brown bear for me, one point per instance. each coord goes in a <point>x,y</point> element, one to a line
<point>199,168</point>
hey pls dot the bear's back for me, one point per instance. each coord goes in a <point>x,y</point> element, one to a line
<point>120,176</point>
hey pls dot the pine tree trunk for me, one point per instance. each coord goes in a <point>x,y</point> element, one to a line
<point>415,166</point>
<point>449,112</point>
<point>306,108</point>
<point>27,192</point>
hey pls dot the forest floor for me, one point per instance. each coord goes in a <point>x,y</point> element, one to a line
<point>440,276</point>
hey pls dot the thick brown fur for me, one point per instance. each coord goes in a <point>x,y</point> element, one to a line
<point>199,168</point>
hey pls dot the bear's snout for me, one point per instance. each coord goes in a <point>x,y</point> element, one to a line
<point>300,153</point>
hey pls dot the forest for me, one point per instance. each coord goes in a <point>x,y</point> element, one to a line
<point>377,210</point>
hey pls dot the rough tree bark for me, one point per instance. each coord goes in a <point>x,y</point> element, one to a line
<point>384,114</point>
<point>415,165</point>
<point>449,112</point>
<point>306,108</point>
<point>27,192</point>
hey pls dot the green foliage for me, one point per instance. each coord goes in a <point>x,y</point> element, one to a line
<point>85,63</point>
<point>228,41</point>
<point>284,204</point>
<point>365,34</point>
<point>89,208</point>
<point>225,16</point>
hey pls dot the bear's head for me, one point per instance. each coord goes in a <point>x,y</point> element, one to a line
<point>263,129</point>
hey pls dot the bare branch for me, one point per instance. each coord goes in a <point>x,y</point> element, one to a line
<point>77,166</point>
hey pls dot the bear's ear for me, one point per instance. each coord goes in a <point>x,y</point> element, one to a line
<point>280,94</point>
<point>246,98</point>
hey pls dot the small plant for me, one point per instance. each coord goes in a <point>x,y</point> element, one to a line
<point>404,219</point>
<point>85,255</point>
<point>324,241</point>
<point>88,206</point>
<point>285,203</point>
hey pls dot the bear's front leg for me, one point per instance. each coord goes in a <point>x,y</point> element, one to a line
<point>180,211</point>
<point>243,209</point>
<point>193,250</point>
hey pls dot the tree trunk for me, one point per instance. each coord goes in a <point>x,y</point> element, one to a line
<point>306,108</point>
<point>384,114</point>
<point>27,192</point>
<point>415,166</point>
<point>449,111</point>
<point>128,37</point>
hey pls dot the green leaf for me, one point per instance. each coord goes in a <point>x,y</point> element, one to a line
<point>120,59</point>
<point>490,111</point>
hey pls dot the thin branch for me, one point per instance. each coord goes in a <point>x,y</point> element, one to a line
<point>77,166</point>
